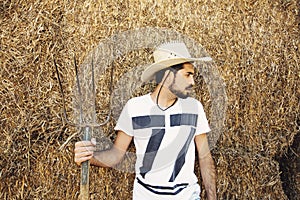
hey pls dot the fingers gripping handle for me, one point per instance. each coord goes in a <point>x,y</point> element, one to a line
<point>84,184</point>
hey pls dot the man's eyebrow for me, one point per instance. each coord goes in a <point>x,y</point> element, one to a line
<point>190,73</point>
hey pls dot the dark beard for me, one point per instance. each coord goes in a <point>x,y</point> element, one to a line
<point>180,94</point>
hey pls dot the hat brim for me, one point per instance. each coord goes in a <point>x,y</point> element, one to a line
<point>155,67</point>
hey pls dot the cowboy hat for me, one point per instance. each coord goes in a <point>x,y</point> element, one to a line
<point>169,54</point>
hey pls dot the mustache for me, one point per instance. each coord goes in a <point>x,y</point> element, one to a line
<point>189,87</point>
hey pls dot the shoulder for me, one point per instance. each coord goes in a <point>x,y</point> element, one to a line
<point>191,105</point>
<point>139,99</point>
<point>138,105</point>
<point>138,102</point>
<point>191,101</point>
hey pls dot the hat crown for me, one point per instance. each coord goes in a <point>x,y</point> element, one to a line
<point>169,54</point>
<point>171,50</point>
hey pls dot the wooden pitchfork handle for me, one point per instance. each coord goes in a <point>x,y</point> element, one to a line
<point>85,166</point>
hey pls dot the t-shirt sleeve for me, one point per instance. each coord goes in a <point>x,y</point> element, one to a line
<point>202,122</point>
<point>124,122</point>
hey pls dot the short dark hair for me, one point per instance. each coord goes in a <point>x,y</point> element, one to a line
<point>160,74</point>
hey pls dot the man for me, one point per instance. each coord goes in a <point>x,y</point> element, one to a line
<point>166,126</point>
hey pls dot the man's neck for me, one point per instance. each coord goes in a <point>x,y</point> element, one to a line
<point>163,96</point>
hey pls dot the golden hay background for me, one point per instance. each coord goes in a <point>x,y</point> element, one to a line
<point>255,45</point>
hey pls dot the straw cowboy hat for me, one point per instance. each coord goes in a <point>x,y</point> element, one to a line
<point>169,54</point>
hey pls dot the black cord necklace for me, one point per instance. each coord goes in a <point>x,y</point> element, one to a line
<point>159,94</point>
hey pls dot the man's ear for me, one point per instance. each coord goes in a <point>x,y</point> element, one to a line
<point>168,77</point>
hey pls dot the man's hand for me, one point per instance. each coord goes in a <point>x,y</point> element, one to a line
<point>84,150</point>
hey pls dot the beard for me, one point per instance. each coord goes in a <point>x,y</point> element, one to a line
<point>181,93</point>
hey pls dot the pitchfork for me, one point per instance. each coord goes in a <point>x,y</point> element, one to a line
<point>85,126</point>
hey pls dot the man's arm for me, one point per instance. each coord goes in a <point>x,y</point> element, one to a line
<point>86,150</point>
<point>207,166</point>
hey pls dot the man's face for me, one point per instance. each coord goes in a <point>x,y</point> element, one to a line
<point>183,81</point>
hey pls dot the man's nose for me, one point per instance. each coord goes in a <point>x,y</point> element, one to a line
<point>192,81</point>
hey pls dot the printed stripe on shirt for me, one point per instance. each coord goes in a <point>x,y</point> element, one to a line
<point>151,150</point>
<point>181,156</point>
<point>164,190</point>
<point>148,121</point>
<point>183,119</point>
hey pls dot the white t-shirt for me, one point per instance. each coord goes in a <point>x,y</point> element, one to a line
<point>164,142</point>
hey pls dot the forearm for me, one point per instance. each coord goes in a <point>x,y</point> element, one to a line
<point>107,158</point>
<point>208,173</point>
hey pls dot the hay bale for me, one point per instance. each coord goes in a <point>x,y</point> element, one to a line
<point>255,45</point>
<point>244,175</point>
